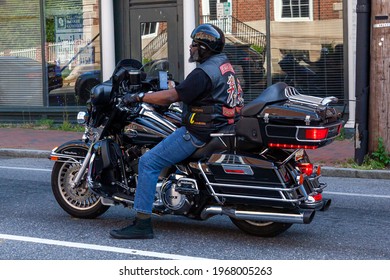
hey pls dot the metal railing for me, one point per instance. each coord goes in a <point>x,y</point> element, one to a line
<point>231,26</point>
<point>239,30</point>
<point>155,45</point>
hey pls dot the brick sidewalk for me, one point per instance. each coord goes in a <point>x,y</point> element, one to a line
<point>24,138</point>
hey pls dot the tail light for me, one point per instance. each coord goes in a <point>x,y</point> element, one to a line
<point>291,146</point>
<point>306,168</point>
<point>317,197</point>
<point>316,133</point>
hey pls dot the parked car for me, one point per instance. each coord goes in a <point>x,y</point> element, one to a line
<point>55,79</point>
<point>84,83</point>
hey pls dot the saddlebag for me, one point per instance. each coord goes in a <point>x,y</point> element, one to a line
<point>235,178</point>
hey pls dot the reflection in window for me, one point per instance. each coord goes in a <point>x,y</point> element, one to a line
<point>73,45</point>
<point>154,47</point>
<point>20,54</point>
<point>295,9</point>
<point>148,28</point>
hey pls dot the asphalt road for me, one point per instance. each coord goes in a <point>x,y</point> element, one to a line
<point>34,227</point>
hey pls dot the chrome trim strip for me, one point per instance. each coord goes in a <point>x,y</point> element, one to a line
<point>289,190</point>
<point>262,198</point>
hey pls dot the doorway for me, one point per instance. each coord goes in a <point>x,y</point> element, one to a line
<point>155,30</point>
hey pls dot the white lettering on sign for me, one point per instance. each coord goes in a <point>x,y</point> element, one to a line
<point>379,25</point>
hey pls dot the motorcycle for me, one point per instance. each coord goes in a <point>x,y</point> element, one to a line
<point>256,172</point>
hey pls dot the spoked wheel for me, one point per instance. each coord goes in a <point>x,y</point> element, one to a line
<point>78,201</point>
<point>261,229</point>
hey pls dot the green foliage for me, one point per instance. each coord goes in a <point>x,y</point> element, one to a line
<point>379,159</point>
<point>50,30</point>
<point>259,49</point>
<point>381,155</point>
<point>67,126</point>
<point>45,123</point>
<point>342,135</point>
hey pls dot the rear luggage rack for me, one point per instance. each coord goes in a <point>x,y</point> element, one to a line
<point>293,95</point>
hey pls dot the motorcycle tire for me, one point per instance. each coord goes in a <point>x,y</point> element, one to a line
<point>79,202</point>
<point>261,229</point>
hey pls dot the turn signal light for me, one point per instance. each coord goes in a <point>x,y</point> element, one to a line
<point>318,170</point>
<point>301,179</point>
<point>316,133</point>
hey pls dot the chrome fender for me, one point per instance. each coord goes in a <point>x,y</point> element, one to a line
<point>74,149</point>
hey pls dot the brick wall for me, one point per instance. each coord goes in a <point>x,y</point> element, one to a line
<point>251,10</point>
<point>248,10</point>
<point>323,9</point>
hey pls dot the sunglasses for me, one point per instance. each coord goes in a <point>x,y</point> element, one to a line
<point>194,45</point>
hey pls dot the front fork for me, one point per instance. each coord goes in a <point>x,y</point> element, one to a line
<point>83,167</point>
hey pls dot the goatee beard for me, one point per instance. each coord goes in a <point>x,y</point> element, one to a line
<point>194,57</point>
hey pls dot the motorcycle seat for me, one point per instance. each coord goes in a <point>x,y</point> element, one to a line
<point>272,94</point>
<point>221,141</point>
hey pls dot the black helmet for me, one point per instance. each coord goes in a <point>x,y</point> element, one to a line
<point>210,36</point>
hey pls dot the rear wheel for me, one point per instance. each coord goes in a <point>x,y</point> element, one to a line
<point>261,229</point>
<point>78,201</point>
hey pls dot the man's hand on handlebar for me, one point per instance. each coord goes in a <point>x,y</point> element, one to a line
<point>130,98</point>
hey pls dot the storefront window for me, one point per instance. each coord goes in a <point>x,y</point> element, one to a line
<point>73,47</point>
<point>303,46</point>
<point>21,69</point>
<point>43,56</point>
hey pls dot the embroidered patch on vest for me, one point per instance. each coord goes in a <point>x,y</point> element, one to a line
<point>227,67</point>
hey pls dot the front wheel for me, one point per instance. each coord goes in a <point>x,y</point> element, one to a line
<point>261,229</point>
<point>78,201</point>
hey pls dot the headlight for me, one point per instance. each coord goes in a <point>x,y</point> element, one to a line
<point>82,117</point>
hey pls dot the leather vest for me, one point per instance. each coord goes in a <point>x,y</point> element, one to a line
<point>219,108</point>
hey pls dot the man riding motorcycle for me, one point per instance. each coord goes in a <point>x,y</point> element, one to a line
<point>211,96</point>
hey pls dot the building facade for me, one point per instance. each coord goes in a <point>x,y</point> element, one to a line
<point>46,45</point>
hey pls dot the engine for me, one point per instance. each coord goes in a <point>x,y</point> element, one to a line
<point>177,194</point>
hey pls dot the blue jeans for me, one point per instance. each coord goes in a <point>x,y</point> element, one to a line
<point>173,149</point>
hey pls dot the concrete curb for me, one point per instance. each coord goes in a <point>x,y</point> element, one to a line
<point>355,173</point>
<point>24,153</point>
<point>326,171</point>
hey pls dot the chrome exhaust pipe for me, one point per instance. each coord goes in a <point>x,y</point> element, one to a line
<point>326,204</point>
<point>305,217</point>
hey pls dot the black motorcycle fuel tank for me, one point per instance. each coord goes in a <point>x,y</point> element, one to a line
<point>143,131</point>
